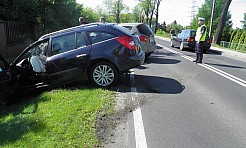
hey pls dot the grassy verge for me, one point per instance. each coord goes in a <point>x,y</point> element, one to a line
<point>216,45</point>
<point>58,118</point>
<point>163,34</point>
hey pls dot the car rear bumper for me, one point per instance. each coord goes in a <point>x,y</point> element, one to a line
<point>148,48</point>
<point>132,62</point>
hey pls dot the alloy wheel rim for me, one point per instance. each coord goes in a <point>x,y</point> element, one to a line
<point>103,75</point>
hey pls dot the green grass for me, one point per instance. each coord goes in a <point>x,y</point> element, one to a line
<point>216,45</point>
<point>58,118</point>
<point>163,34</point>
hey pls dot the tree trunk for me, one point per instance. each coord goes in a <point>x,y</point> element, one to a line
<point>118,12</point>
<point>152,6</point>
<point>222,21</point>
<point>157,13</point>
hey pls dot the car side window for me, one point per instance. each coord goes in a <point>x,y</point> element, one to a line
<point>186,34</point>
<point>63,44</point>
<point>80,40</point>
<point>96,37</point>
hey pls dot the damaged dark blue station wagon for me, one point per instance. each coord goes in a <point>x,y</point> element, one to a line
<point>96,52</point>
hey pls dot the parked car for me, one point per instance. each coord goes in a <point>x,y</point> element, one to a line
<point>145,34</point>
<point>96,52</point>
<point>186,39</point>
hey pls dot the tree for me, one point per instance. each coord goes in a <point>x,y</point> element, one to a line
<point>236,39</point>
<point>157,14</point>
<point>148,7</point>
<point>222,21</point>
<point>206,11</point>
<point>137,14</point>
<point>115,8</point>
<point>153,6</point>
<point>241,41</point>
<point>244,22</point>
<point>233,34</point>
<point>174,26</point>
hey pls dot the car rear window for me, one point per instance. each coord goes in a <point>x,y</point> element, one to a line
<point>193,33</point>
<point>123,29</point>
<point>145,29</point>
<point>128,27</point>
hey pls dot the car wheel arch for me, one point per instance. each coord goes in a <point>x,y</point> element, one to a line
<point>99,61</point>
<point>104,79</point>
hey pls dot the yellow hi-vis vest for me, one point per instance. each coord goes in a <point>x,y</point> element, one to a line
<point>199,34</point>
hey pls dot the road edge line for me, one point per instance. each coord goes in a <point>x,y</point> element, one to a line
<point>140,137</point>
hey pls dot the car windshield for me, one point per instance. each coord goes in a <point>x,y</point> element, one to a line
<point>145,29</point>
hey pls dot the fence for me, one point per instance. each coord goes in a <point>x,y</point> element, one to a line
<point>18,32</point>
<point>235,46</point>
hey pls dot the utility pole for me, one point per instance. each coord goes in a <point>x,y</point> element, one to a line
<point>193,10</point>
<point>211,21</point>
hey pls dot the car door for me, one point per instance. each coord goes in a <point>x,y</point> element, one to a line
<point>20,77</point>
<point>67,59</point>
<point>177,38</point>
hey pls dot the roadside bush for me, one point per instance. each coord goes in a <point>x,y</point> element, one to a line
<point>162,33</point>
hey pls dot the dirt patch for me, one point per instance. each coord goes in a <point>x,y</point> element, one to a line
<point>107,127</point>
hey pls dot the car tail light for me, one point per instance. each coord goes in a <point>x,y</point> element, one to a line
<point>190,40</point>
<point>143,38</point>
<point>127,42</point>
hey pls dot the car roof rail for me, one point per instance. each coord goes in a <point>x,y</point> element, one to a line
<point>70,29</point>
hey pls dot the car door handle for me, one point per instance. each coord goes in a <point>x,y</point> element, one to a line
<point>80,55</point>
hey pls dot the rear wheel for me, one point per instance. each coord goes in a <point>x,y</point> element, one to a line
<point>104,74</point>
<point>171,43</point>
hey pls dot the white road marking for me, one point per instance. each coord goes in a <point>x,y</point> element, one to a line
<point>211,68</point>
<point>137,117</point>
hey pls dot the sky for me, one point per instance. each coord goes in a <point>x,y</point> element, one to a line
<point>180,10</point>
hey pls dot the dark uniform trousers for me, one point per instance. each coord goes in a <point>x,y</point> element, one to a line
<point>199,51</point>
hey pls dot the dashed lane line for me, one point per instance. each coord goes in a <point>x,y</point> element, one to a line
<point>211,68</point>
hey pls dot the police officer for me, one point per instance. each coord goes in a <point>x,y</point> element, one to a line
<point>200,38</point>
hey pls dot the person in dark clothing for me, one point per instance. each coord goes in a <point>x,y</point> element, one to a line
<point>82,21</point>
<point>102,20</point>
<point>200,38</point>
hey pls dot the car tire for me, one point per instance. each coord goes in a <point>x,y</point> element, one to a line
<point>104,74</point>
<point>181,47</point>
<point>171,43</point>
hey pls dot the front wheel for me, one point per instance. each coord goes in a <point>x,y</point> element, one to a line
<point>171,43</point>
<point>104,74</point>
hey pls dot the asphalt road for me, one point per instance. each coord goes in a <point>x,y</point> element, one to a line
<point>188,105</point>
